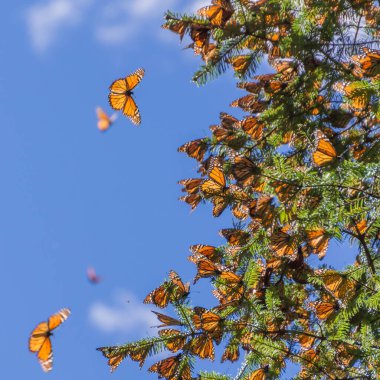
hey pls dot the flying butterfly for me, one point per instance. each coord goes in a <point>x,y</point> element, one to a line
<point>104,121</point>
<point>92,276</point>
<point>39,340</point>
<point>120,97</point>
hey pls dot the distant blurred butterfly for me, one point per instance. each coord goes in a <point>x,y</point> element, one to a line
<point>92,276</point>
<point>104,121</point>
<point>39,340</point>
<point>120,98</point>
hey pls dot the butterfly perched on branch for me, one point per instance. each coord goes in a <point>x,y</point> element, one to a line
<point>120,97</point>
<point>40,342</point>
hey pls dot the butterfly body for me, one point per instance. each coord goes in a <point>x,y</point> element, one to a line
<point>120,97</point>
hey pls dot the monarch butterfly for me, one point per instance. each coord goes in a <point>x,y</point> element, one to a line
<point>285,191</point>
<point>218,13</point>
<point>39,340</point>
<point>318,241</point>
<point>249,103</point>
<point>259,374</point>
<point>282,243</point>
<point>211,322</point>
<point>195,149</point>
<point>262,210</point>
<point>216,187</point>
<point>306,341</point>
<point>252,87</point>
<point>241,63</point>
<point>92,276</point>
<point>252,127</point>
<point>191,199</point>
<point>191,185</point>
<point>325,309</point>
<point>231,353</point>
<point>210,53</point>
<point>120,97</point>
<point>207,251</point>
<point>166,320</point>
<point>114,356</point>
<point>244,170</point>
<point>178,27</point>
<point>200,34</point>
<point>325,152</point>
<point>369,62</point>
<point>104,121</point>
<point>168,367</point>
<point>336,283</point>
<point>202,346</point>
<point>235,236</point>
<point>196,317</point>
<point>175,340</point>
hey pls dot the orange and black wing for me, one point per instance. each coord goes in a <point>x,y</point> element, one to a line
<point>38,337</point>
<point>325,151</point>
<point>39,342</point>
<point>121,86</point>
<point>57,319</point>
<point>126,104</point>
<point>45,355</point>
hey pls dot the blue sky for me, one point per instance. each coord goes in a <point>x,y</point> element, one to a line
<point>73,197</point>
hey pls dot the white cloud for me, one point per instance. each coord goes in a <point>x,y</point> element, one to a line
<point>46,21</point>
<point>124,315</point>
<point>122,19</point>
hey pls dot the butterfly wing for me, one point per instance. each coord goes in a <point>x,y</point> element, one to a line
<point>45,355</point>
<point>117,101</point>
<point>134,79</point>
<point>56,319</point>
<point>121,86</point>
<point>131,110</point>
<point>38,337</point>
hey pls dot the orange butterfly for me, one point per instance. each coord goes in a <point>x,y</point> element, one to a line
<point>120,97</point>
<point>218,13</point>
<point>325,151</point>
<point>170,368</point>
<point>259,374</point>
<point>195,149</point>
<point>174,339</point>
<point>166,320</point>
<point>202,346</point>
<point>104,121</point>
<point>369,62</point>
<point>39,340</point>
<point>114,356</point>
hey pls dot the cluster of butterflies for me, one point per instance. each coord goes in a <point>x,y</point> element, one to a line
<point>120,99</point>
<point>39,340</point>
